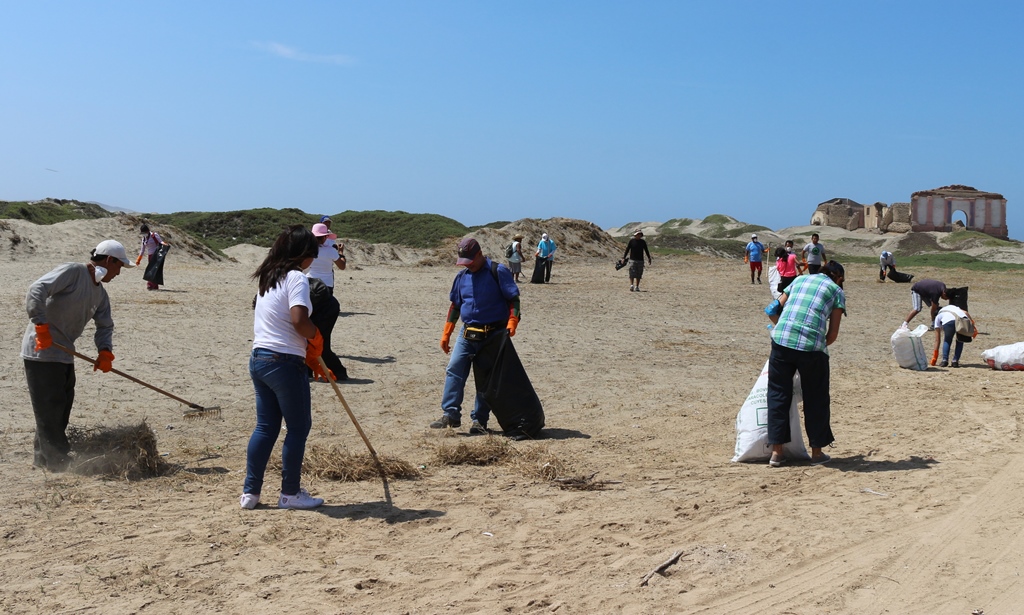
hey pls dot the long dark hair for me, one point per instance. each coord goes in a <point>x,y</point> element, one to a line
<point>294,245</point>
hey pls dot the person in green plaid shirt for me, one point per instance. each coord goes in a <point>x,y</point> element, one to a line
<point>811,310</point>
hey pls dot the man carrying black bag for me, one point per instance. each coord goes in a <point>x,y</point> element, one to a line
<point>485,296</point>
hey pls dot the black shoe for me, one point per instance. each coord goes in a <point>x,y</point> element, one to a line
<point>446,421</point>
<point>476,429</point>
<point>955,364</point>
<point>943,363</point>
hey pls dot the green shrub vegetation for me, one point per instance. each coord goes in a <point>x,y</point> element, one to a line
<point>51,211</point>
<point>718,219</point>
<point>746,229</point>
<point>963,239</point>
<point>260,227</point>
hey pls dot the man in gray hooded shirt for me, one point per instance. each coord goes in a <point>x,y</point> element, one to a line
<point>59,306</point>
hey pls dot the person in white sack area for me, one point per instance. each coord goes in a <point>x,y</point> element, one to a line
<point>806,318</point>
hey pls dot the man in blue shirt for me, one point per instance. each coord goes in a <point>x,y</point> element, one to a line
<point>485,296</point>
<point>754,253</point>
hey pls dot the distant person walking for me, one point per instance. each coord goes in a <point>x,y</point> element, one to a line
<point>635,251</point>
<point>886,261</point>
<point>546,255</point>
<point>754,255</point>
<point>814,255</point>
<point>60,305</point>
<point>151,242</point>
<point>806,322</point>
<point>927,292</point>
<point>285,341</point>
<point>515,262</point>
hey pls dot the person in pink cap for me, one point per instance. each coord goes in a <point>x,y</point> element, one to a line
<point>330,256</point>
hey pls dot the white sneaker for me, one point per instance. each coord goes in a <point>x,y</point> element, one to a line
<point>249,500</point>
<point>300,501</point>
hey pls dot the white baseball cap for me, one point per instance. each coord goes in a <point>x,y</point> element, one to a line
<point>109,247</point>
<point>754,236</point>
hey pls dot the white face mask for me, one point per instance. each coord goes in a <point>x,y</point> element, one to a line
<point>99,273</point>
<point>789,248</point>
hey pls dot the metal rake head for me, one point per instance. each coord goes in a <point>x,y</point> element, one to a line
<point>196,412</point>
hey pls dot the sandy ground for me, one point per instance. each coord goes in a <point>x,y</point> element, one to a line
<point>920,511</point>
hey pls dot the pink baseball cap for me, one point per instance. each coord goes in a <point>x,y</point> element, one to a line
<point>321,230</point>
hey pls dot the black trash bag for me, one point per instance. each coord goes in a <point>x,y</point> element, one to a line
<point>511,397</point>
<point>155,268</point>
<point>538,270</point>
<point>958,297</point>
<point>901,278</point>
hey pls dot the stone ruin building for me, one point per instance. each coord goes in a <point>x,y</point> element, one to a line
<point>928,210</point>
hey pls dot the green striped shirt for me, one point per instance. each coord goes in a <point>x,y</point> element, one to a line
<point>804,320</point>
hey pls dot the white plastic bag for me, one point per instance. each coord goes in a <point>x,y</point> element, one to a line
<point>908,348</point>
<point>752,424</point>
<point>773,282</point>
<point>1007,358</point>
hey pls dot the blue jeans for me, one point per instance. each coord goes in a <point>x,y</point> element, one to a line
<point>948,335</point>
<point>282,392</point>
<point>480,356</point>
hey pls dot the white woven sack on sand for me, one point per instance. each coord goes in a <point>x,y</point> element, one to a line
<point>752,424</point>
<point>773,282</point>
<point>1007,358</point>
<point>908,348</point>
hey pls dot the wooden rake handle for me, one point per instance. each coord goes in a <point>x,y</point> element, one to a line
<point>341,397</point>
<point>132,378</point>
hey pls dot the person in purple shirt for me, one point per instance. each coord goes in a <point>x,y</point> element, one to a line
<point>928,292</point>
<point>486,297</point>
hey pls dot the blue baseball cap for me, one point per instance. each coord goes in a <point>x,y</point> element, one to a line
<point>324,219</point>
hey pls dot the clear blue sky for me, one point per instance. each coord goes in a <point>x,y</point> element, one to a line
<point>488,110</point>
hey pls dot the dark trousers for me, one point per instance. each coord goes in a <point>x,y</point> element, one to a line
<point>547,268</point>
<point>325,316</point>
<point>812,269</point>
<point>784,282</point>
<point>783,364</point>
<point>51,386</point>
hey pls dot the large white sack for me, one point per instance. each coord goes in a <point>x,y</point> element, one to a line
<point>1007,358</point>
<point>773,282</point>
<point>908,348</point>
<point>752,424</point>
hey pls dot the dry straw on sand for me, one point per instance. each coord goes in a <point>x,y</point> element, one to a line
<point>534,462</point>
<point>128,452</point>
<point>333,463</point>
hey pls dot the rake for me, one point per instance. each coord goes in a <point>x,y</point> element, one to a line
<point>373,453</point>
<point>194,412</point>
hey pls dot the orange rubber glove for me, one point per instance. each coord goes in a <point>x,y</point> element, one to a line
<point>513,322</point>
<point>138,260</point>
<point>446,337</point>
<point>105,362</point>
<point>314,348</point>
<point>43,338</point>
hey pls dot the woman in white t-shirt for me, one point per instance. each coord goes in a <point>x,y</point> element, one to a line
<point>329,255</point>
<point>284,342</point>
